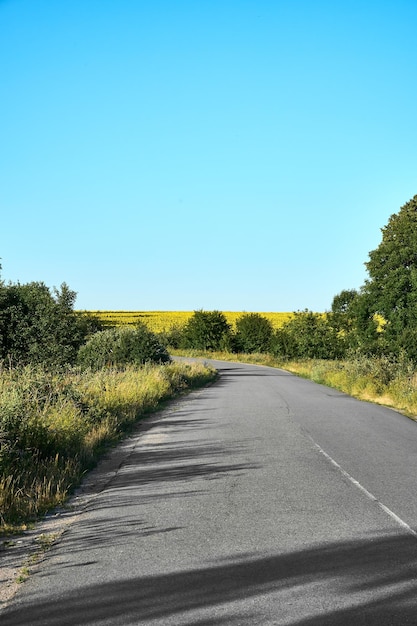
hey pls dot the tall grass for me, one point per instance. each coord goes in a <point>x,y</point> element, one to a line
<point>387,381</point>
<point>55,425</point>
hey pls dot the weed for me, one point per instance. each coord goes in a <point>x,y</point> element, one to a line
<point>23,575</point>
<point>55,426</point>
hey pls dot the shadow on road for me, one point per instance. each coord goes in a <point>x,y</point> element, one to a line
<point>383,568</point>
<point>366,582</point>
<point>147,477</point>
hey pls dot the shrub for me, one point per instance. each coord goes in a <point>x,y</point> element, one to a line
<point>119,346</point>
<point>253,333</point>
<point>283,344</point>
<point>207,330</point>
<point>308,335</point>
<point>171,338</point>
<point>39,327</point>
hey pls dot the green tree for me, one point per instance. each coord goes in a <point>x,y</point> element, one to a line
<point>283,344</point>
<point>366,336</point>
<point>392,285</point>
<point>342,309</point>
<point>122,345</point>
<point>353,317</point>
<point>37,326</point>
<point>308,335</point>
<point>207,330</point>
<point>253,333</point>
<point>171,338</point>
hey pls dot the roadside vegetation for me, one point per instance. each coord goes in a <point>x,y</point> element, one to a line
<point>366,344</point>
<point>56,424</point>
<point>382,380</point>
<point>72,384</point>
<point>68,391</point>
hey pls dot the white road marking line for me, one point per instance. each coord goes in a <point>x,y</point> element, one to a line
<point>367,493</point>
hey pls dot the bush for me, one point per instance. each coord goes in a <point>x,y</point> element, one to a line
<point>308,335</point>
<point>207,330</point>
<point>119,346</point>
<point>171,338</point>
<point>253,333</point>
<point>40,327</point>
<point>283,344</point>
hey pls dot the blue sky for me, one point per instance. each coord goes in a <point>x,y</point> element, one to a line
<point>177,155</point>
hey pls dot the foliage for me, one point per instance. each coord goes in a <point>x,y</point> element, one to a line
<point>353,317</point>
<point>308,335</point>
<point>172,338</point>
<point>381,318</point>
<point>54,426</point>
<point>89,324</point>
<point>342,310</point>
<point>119,346</point>
<point>253,333</point>
<point>392,284</point>
<point>37,326</point>
<point>382,379</point>
<point>207,330</point>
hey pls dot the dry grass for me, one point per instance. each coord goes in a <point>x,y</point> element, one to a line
<point>54,426</point>
<point>377,379</point>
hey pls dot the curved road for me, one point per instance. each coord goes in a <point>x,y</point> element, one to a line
<point>262,499</point>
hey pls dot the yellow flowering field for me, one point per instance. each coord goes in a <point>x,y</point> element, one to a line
<point>161,321</point>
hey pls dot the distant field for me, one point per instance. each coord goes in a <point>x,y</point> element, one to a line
<point>160,321</point>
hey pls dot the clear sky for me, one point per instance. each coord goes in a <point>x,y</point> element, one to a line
<point>218,154</point>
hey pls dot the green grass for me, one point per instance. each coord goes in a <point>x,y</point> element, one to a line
<point>54,426</point>
<point>377,379</point>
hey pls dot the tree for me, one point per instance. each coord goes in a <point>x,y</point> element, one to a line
<point>342,304</point>
<point>37,326</point>
<point>253,333</point>
<point>353,318</point>
<point>308,335</point>
<point>207,330</point>
<point>392,284</point>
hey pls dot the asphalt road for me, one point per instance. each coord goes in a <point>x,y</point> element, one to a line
<point>262,499</point>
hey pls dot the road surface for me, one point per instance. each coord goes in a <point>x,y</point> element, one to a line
<point>261,499</point>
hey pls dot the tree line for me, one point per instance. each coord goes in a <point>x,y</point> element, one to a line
<point>379,318</point>
<point>39,325</point>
